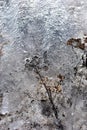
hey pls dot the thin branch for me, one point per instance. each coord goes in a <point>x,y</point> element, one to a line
<point>50,98</point>
<point>34,64</point>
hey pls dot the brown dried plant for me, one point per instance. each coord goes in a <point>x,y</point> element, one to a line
<point>35,65</point>
<point>76,42</point>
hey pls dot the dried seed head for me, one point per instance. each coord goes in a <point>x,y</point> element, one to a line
<point>27,60</point>
<point>61,77</point>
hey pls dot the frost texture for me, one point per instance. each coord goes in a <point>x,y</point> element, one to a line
<point>30,28</point>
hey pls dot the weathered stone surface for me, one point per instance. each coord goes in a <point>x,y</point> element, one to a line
<point>38,30</point>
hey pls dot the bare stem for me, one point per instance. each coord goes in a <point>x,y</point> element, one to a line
<point>50,98</point>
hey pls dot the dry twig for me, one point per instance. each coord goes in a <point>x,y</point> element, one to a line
<point>35,66</point>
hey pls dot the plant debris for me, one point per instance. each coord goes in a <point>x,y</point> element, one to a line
<point>61,77</point>
<point>76,42</point>
<point>34,63</point>
<point>53,84</point>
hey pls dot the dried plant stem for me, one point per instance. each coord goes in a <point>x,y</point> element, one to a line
<point>50,98</point>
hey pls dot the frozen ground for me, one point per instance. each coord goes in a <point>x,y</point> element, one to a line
<point>30,28</point>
